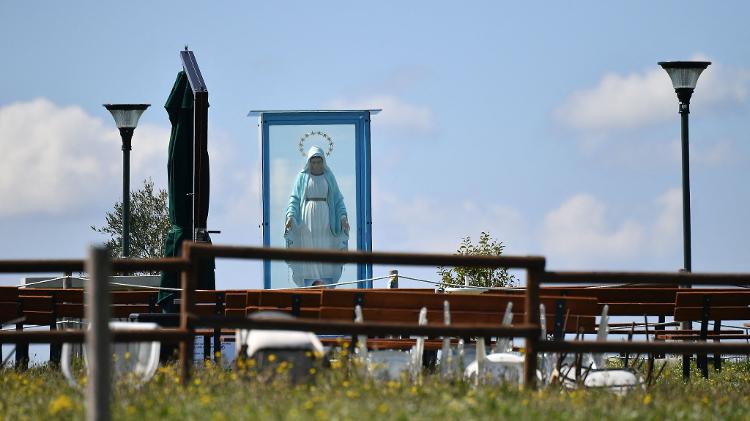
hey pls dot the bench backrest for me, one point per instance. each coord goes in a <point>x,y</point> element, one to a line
<point>719,305</point>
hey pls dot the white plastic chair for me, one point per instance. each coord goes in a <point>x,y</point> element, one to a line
<point>446,353</point>
<point>388,363</point>
<point>258,340</point>
<point>417,351</point>
<point>617,380</point>
<point>500,366</point>
<point>139,359</point>
<point>391,363</point>
<point>298,348</point>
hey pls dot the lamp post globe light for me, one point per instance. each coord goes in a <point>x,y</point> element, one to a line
<point>126,117</point>
<point>684,75</point>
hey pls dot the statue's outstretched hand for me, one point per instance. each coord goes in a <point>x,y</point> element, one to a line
<point>345,224</point>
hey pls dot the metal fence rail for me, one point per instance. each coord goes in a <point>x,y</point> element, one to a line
<point>643,279</point>
<point>368,328</point>
<point>194,253</point>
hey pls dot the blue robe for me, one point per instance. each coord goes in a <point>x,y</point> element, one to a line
<point>335,201</point>
<point>336,211</point>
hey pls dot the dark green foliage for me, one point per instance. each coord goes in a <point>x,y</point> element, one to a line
<point>481,277</point>
<point>149,223</point>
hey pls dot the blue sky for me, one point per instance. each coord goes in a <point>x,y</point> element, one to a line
<point>549,125</point>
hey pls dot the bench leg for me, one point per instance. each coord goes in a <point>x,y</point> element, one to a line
<point>55,350</point>
<point>717,356</point>
<point>429,359</point>
<point>206,347</point>
<point>22,356</point>
<point>660,329</point>
<point>217,345</point>
<point>702,359</point>
<point>22,353</point>
<point>686,367</point>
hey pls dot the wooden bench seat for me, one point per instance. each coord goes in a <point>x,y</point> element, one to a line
<point>10,309</point>
<point>711,305</point>
<point>392,305</point>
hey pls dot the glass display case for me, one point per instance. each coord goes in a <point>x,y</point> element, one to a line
<point>316,193</point>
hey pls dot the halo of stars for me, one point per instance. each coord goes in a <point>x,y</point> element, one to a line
<point>315,133</point>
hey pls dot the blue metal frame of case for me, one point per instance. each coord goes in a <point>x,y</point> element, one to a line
<point>361,121</point>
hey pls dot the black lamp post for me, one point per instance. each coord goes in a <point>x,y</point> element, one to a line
<point>684,75</point>
<point>126,117</point>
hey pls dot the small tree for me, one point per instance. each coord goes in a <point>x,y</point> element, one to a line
<point>149,223</point>
<point>476,276</point>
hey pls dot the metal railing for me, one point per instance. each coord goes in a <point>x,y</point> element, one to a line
<point>194,253</point>
<point>642,278</point>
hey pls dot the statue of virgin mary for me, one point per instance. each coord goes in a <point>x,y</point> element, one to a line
<point>316,218</point>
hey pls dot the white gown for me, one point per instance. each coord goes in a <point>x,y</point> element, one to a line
<point>315,230</point>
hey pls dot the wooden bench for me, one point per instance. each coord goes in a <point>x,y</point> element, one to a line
<point>711,305</point>
<point>46,306</point>
<point>237,302</point>
<point>564,314</point>
<point>9,305</point>
<point>393,306</point>
<point>33,309</point>
<point>624,301</point>
<point>635,301</point>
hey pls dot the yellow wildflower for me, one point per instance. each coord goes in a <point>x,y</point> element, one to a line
<point>61,403</point>
<point>352,394</point>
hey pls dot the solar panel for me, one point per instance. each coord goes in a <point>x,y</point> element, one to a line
<point>193,71</point>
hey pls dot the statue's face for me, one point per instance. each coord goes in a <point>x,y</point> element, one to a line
<point>316,165</point>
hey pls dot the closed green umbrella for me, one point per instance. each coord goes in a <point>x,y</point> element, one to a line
<point>179,106</point>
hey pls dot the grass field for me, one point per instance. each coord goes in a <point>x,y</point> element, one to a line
<point>341,394</point>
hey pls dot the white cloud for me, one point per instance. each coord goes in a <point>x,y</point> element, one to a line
<point>578,232</point>
<point>396,113</point>
<point>639,99</point>
<point>718,153</point>
<point>57,160</point>
<point>667,230</point>
<point>282,179</point>
<point>656,152</point>
<point>422,224</point>
<point>709,154</point>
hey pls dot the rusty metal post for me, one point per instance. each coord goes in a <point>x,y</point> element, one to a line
<point>98,344</point>
<point>531,317</point>
<point>187,283</point>
<point>393,283</point>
